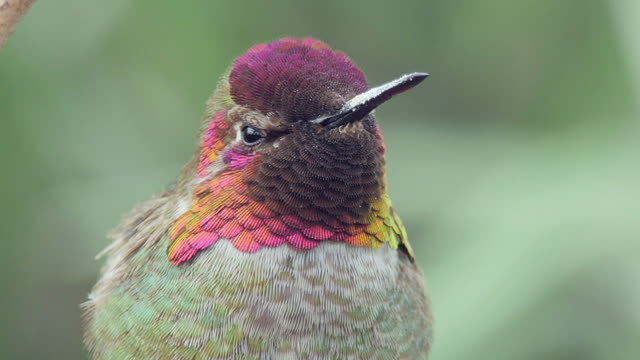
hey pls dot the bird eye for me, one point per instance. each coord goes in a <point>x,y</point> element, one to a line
<point>251,136</point>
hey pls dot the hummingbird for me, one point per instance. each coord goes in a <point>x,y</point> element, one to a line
<point>278,240</point>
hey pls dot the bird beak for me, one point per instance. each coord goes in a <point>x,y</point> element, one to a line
<point>362,104</point>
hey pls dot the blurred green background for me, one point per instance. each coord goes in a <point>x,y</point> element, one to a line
<point>516,166</point>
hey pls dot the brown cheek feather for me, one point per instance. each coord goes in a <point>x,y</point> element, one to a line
<point>311,190</point>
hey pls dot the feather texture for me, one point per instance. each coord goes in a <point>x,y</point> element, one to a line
<point>283,250</point>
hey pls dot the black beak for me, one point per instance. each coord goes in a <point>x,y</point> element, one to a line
<point>362,104</point>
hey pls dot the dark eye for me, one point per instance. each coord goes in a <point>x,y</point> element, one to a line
<point>251,136</point>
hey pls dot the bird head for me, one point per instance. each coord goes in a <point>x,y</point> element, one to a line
<point>291,154</point>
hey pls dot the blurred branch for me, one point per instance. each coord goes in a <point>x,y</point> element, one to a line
<point>11,11</point>
<point>626,13</point>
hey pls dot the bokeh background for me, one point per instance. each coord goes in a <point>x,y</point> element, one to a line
<point>516,166</point>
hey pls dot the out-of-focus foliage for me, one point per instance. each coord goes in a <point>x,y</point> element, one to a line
<point>515,166</point>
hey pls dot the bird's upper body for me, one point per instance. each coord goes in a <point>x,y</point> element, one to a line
<point>278,241</point>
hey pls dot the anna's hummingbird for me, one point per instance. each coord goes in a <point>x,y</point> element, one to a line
<point>278,240</point>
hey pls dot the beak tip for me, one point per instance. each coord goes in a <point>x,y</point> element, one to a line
<point>418,76</point>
